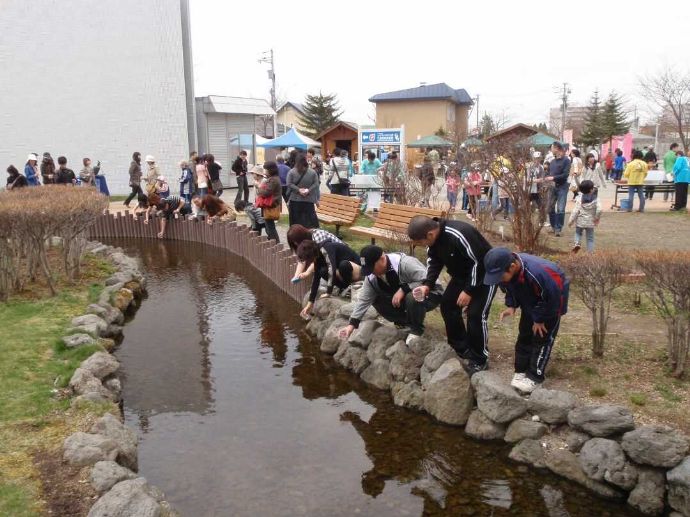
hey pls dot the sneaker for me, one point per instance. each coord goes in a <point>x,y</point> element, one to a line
<point>471,367</point>
<point>517,379</point>
<point>525,385</point>
<point>557,233</point>
<point>576,248</point>
<point>403,327</point>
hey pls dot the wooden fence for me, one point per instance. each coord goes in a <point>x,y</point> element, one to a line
<point>275,261</point>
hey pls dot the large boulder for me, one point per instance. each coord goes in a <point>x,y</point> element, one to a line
<point>100,365</point>
<point>601,420</point>
<point>604,460</point>
<point>315,324</point>
<point>106,312</point>
<point>575,439</point>
<point>83,382</point>
<point>496,399</point>
<point>419,346</point>
<point>440,353</point>
<point>129,498</point>
<point>77,340</point>
<point>105,474</point>
<point>81,449</point>
<point>327,308</point>
<point>362,336</point>
<point>529,451</point>
<point>387,336</point>
<point>107,294</point>
<point>345,311</point>
<point>125,439</point>
<point>448,396</point>
<point>648,495</point>
<point>351,357</point>
<point>679,487</point>
<point>122,299</point>
<point>479,426</point>
<point>331,339</point>
<point>377,350</point>
<point>93,325</point>
<point>409,395</point>
<point>552,406</point>
<point>565,463</point>
<point>121,277</point>
<point>405,364</point>
<point>377,374</point>
<point>655,445</point>
<point>519,430</point>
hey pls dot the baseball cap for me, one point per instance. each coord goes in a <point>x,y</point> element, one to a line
<point>369,255</point>
<point>496,261</point>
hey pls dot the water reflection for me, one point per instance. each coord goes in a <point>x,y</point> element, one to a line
<point>241,414</point>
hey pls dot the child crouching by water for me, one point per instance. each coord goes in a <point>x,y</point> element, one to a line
<point>586,215</point>
<point>254,214</point>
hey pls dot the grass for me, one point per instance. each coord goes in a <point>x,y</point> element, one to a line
<point>598,391</point>
<point>118,198</point>
<point>638,399</point>
<point>34,366</point>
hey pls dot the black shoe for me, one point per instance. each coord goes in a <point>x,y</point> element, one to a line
<point>471,367</point>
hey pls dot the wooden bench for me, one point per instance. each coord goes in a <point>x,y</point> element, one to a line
<point>392,222</point>
<point>338,210</point>
<point>660,188</point>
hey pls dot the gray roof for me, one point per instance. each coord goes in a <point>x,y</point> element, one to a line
<point>425,92</point>
<point>297,105</point>
<point>236,105</point>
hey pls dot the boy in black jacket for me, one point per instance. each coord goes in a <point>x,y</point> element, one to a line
<point>460,248</point>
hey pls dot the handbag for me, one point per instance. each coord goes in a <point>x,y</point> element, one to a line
<point>271,214</point>
<point>346,183</point>
<point>264,201</point>
<point>216,185</point>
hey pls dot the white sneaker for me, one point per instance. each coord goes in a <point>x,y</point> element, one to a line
<point>517,378</point>
<point>525,385</point>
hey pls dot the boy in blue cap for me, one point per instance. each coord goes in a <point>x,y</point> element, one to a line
<point>540,289</point>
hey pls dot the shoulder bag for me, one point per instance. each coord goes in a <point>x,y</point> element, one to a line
<point>345,182</point>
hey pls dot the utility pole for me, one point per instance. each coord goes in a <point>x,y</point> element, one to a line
<point>564,105</point>
<point>267,57</point>
<point>477,114</point>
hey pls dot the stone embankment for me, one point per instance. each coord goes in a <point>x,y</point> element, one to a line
<point>597,446</point>
<point>109,448</point>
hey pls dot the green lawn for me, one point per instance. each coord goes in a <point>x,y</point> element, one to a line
<point>34,365</point>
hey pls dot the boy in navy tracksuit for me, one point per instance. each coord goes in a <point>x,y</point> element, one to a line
<point>540,289</point>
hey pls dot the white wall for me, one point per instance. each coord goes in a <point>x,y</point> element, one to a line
<point>94,78</point>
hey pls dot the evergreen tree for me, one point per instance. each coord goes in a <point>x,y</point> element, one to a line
<point>320,113</point>
<point>487,125</point>
<point>613,118</point>
<point>593,132</point>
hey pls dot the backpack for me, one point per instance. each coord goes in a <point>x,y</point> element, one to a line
<point>318,165</point>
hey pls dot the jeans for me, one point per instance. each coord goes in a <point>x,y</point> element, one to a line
<point>559,197</point>
<point>203,191</point>
<point>136,190</point>
<point>410,312</point>
<point>242,188</point>
<point>465,200</point>
<point>452,199</point>
<point>632,189</point>
<point>271,231</point>
<point>590,237</point>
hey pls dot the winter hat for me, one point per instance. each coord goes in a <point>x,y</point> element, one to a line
<point>150,159</point>
<point>32,156</point>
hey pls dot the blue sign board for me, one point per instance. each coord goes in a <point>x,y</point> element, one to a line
<point>382,137</point>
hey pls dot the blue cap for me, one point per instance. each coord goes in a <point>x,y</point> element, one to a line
<point>496,261</point>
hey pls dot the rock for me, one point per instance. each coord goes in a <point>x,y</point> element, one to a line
<point>114,386</point>
<point>603,460</point>
<point>105,474</point>
<point>554,502</point>
<point>107,343</point>
<point>100,365</point>
<point>440,353</point>
<point>377,374</point>
<point>327,308</point>
<point>93,323</point>
<point>496,399</point>
<point>129,498</point>
<point>601,420</point>
<point>552,406</point>
<point>122,299</point>
<point>397,347</point>
<point>409,395</point>
<point>351,357</point>
<point>420,346</point>
<point>377,350</point>
<point>82,449</point>
<point>77,340</point>
<point>648,494</point>
<point>331,338</point>
<point>345,311</point>
<point>655,445</point>
<point>449,396</point>
<point>679,487</point>
<point>519,430</point>
<point>314,326</point>
<point>386,335</point>
<point>83,382</point>
<point>107,294</point>
<point>121,277</point>
<point>405,364</point>
<point>361,337</point>
<point>112,331</point>
<point>529,451</point>
<point>125,439</point>
<point>479,426</point>
<point>136,287</point>
<point>88,398</point>
<point>575,439</point>
<point>565,463</point>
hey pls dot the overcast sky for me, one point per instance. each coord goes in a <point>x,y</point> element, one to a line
<point>515,55</point>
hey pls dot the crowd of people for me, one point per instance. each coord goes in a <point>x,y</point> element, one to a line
<point>46,172</point>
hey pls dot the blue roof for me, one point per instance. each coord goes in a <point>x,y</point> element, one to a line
<point>425,92</point>
<point>291,139</point>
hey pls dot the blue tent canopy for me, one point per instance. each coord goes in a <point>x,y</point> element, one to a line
<point>292,138</point>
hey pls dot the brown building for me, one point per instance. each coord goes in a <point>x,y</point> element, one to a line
<point>342,135</point>
<point>424,110</point>
<point>512,134</point>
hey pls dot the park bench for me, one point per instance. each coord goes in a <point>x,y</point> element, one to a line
<point>392,221</point>
<point>659,188</point>
<point>338,210</point>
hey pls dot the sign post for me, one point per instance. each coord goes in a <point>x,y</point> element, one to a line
<point>382,138</point>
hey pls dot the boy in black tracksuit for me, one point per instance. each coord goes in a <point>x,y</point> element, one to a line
<point>460,248</point>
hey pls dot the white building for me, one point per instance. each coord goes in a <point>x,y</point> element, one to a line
<point>99,79</point>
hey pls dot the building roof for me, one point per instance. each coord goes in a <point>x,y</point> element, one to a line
<point>348,125</point>
<point>511,129</point>
<point>236,105</point>
<point>425,92</point>
<point>297,105</point>
<point>430,141</point>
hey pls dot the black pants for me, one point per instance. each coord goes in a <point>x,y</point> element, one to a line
<point>136,190</point>
<point>649,192</point>
<point>304,213</point>
<point>242,188</point>
<point>532,352</point>
<point>286,194</point>
<point>410,312</point>
<point>471,343</point>
<point>681,202</point>
<point>271,231</point>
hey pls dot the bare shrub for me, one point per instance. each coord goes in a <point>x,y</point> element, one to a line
<point>668,286</point>
<point>594,278</point>
<point>30,217</point>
